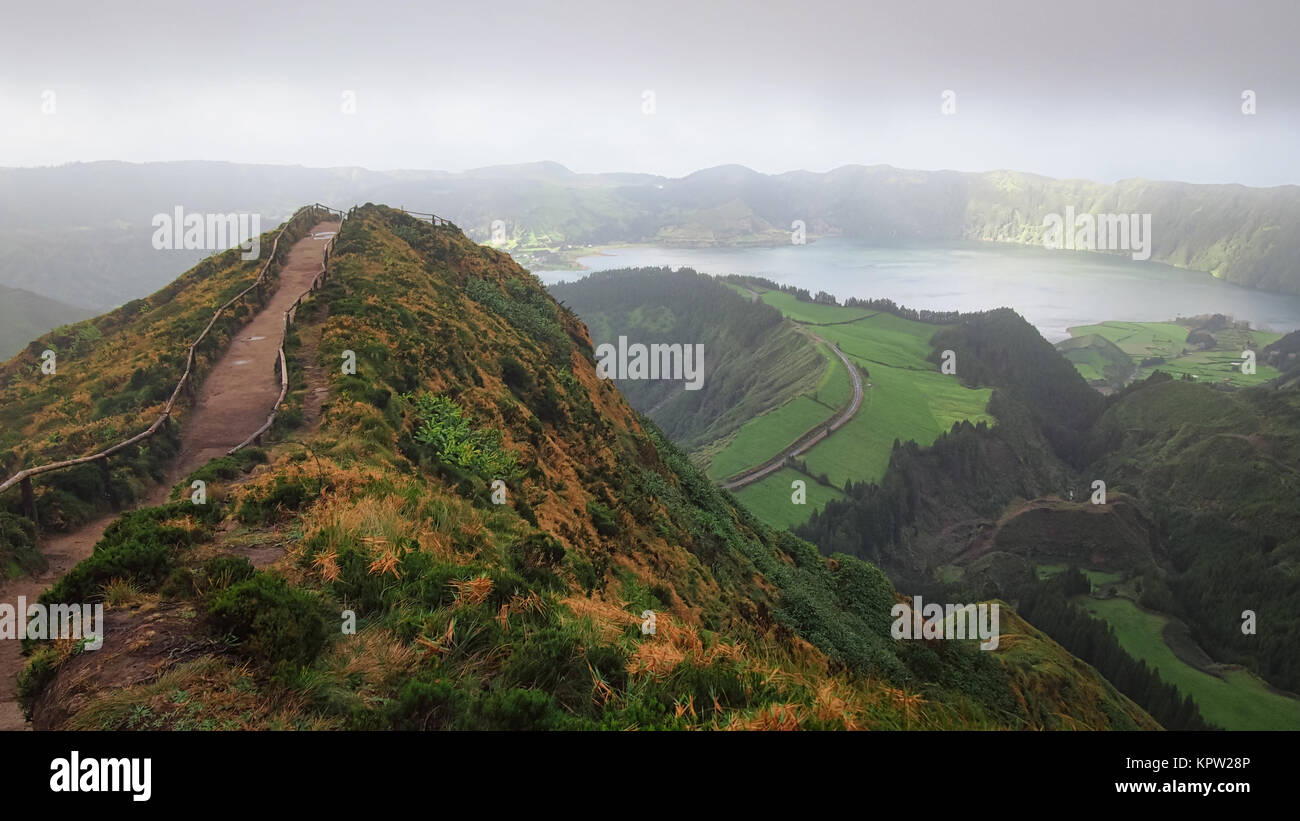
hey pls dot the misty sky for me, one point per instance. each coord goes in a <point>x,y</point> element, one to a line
<point>1100,90</point>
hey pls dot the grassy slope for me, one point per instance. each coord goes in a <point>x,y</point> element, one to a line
<point>1217,460</point>
<point>761,374</point>
<point>114,375</point>
<point>836,388</point>
<point>762,438</point>
<point>25,316</point>
<point>1098,359</point>
<point>525,615</point>
<point>908,398</point>
<point>770,498</point>
<point>766,435</point>
<point>91,400</point>
<point>1237,701</point>
<point>1222,363</point>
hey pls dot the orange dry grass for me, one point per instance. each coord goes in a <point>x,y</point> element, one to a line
<point>328,564</point>
<point>470,592</point>
<point>609,619</point>
<point>909,702</point>
<point>601,692</point>
<point>655,659</point>
<point>385,563</point>
<point>829,705</point>
<point>365,519</point>
<point>374,654</point>
<point>439,544</point>
<point>472,528</point>
<point>802,677</point>
<point>772,717</point>
<point>524,604</point>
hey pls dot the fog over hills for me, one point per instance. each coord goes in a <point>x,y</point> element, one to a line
<point>80,233</point>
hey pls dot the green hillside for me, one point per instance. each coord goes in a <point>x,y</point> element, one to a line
<point>908,399</point>
<point>765,384</point>
<point>1169,347</point>
<point>527,614</point>
<point>1098,360</point>
<point>25,316</point>
<point>1199,521</point>
<point>1232,698</point>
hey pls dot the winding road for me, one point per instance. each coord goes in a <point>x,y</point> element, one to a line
<point>812,437</point>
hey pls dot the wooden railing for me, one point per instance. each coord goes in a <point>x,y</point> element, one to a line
<point>289,315</point>
<point>434,219</point>
<point>23,478</point>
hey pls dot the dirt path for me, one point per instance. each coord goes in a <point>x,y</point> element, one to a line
<point>232,402</point>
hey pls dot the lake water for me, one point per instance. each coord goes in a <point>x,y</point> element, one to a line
<point>1054,290</point>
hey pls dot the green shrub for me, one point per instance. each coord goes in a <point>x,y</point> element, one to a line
<point>223,571</point>
<point>536,557</point>
<point>266,505</point>
<point>552,659</point>
<point>273,622</point>
<point>443,427</point>
<point>437,703</point>
<point>603,518</point>
<point>516,376</point>
<point>228,467</point>
<point>18,551</point>
<point>137,547</point>
<point>41,668</point>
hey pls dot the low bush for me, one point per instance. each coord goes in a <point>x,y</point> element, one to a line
<point>273,622</point>
<point>267,504</point>
<point>138,548</point>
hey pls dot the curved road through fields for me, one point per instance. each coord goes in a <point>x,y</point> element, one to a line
<point>812,437</point>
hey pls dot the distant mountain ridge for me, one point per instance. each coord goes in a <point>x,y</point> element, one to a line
<point>84,228</point>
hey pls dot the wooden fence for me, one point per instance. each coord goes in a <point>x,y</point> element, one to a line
<point>289,315</point>
<point>23,478</point>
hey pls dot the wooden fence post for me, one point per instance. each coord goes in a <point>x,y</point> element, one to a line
<point>29,501</point>
<point>107,476</point>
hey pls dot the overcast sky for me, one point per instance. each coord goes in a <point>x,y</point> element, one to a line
<point>1100,90</point>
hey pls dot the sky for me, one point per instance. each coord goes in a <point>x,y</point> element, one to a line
<point>1097,90</point>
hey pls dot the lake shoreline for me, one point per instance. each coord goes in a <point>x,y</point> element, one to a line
<point>1054,290</point>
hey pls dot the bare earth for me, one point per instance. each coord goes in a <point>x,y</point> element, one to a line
<point>232,402</point>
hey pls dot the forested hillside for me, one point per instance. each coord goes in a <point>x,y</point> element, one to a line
<point>1198,522</point>
<point>754,361</point>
